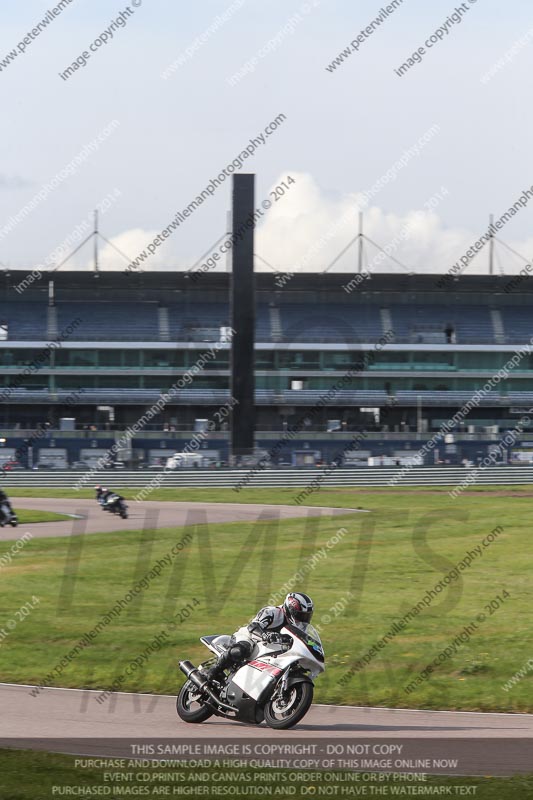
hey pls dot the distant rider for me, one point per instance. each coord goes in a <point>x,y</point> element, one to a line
<point>266,625</point>
<point>99,494</point>
<point>104,495</point>
<point>4,502</point>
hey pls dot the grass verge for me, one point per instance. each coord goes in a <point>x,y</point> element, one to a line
<point>378,569</point>
<point>27,515</point>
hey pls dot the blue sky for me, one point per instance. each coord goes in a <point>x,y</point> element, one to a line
<point>343,130</point>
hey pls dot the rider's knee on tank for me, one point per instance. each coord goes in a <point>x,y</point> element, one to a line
<point>240,651</point>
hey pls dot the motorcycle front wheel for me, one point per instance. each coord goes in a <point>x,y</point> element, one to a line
<point>14,523</point>
<point>188,707</point>
<point>284,712</point>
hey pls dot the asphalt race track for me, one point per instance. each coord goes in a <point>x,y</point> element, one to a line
<point>72,721</point>
<point>54,712</point>
<point>149,515</point>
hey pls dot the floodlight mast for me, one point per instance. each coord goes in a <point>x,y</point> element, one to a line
<point>360,259</point>
<point>491,245</point>
<point>95,234</point>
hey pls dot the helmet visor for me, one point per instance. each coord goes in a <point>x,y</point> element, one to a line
<point>302,616</point>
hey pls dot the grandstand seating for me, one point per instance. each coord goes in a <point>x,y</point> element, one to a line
<point>263,328</point>
<point>427,323</point>
<point>299,322</point>
<point>110,321</point>
<point>26,320</point>
<point>517,324</point>
<point>196,321</point>
<point>334,322</point>
<point>202,321</point>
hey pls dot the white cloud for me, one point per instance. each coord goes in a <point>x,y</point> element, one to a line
<point>306,226</point>
<point>131,243</point>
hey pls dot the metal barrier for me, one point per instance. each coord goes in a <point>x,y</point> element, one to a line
<point>278,477</point>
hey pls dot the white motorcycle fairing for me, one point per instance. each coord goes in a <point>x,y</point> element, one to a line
<point>267,663</point>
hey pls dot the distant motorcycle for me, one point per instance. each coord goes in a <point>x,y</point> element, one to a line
<point>7,515</point>
<point>116,505</point>
<point>112,502</point>
<point>274,686</point>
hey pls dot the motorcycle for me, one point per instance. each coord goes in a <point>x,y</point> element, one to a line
<point>116,505</point>
<point>7,516</point>
<point>275,685</point>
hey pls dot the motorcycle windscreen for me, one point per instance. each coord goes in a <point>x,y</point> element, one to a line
<point>256,676</point>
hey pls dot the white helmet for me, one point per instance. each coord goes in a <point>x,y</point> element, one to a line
<point>298,607</point>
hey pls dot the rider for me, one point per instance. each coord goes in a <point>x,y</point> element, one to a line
<point>4,501</point>
<point>266,625</point>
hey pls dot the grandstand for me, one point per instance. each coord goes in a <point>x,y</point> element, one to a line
<point>132,336</point>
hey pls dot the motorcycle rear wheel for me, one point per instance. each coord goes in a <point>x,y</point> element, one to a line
<point>186,702</point>
<point>283,715</point>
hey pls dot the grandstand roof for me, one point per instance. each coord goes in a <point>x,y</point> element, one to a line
<point>160,286</point>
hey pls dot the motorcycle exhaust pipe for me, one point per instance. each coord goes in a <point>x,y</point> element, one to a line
<point>195,676</point>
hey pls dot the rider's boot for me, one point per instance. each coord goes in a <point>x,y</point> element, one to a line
<point>216,672</point>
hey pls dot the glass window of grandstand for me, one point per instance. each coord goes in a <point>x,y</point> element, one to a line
<point>109,358</point>
<point>33,382</point>
<point>131,358</point>
<point>24,356</point>
<point>75,358</point>
<point>275,382</point>
<point>164,359</point>
<point>83,358</point>
<point>326,383</point>
<point>518,385</point>
<point>341,361</point>
<point>264,359</point>
<point>158,358</point>
<point>118,382</point>
<point>388,360</point>
<point>478,362</point>
<point>73,381</point>
<point>298,360</point>
<point>8,358</point>
<point>430,360</point>
<point>163,383</point>
<point>220,361</point>
<point>160,382</point>
<point>410,384</point>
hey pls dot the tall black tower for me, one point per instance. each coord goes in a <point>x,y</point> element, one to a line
<point>243,317</point>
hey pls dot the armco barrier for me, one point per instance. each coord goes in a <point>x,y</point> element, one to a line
<point>227,478</point>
